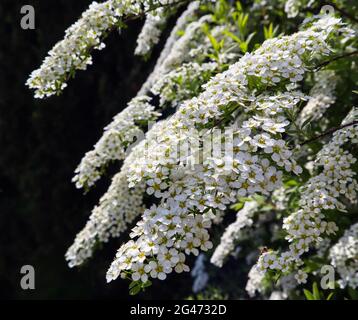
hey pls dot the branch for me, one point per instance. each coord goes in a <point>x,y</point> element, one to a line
<point>325,63</point>
<point>330,131</point>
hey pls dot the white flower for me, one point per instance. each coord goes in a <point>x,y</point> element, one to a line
<point>321,96</point>
<point>262,140</point>
<point>117,138</point>
<point>139,272</point>
<point>117,209</point>
<point>232,233</point>
<point>306,227</point>
<point>151,31</point>
<point>301,277</point>
<point>343,257</point>
<point>255,282</point>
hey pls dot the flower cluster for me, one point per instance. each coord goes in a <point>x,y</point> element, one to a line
<point>343,257</point>
<point>189,196</point>
<point>256,284</point>
<point>151,31</point>
<point>74,51</point>
<point>116,210</point>
<point>292,7</point>
<point>227,141</point>
<point>179,83</point>
<point>277,61</point>
<point>232,233</point>
<point>185,81</point>
<point>307,226</point>
<point>109,215</point>
<point>118,136</point>
<point>321,97</point>
<point>181,24</point>
<point>180,50</point>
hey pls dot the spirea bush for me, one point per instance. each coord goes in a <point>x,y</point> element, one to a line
<point>239,149</point>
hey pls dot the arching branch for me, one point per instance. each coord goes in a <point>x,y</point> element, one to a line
<point>330,131</point>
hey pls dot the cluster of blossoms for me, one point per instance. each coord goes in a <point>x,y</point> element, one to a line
<point>322,96</point>
<point>276,61</point>
<point>201,277</point>
<point>118,136</point>
<point>190,195</point>
<point>117,209</point>
<point>110,218</point>
<point>256,284</point>
<point>151,31</point>
<point>293,7</point>
<point>74,51</point>
<point>173,226</point>
<point>179,83</point>
<point>180,51</point>
<point>233,233</point>
<point>193,167</point>
<point>175,36</point>
<point>344,257</point>
<point>307,227</point>
<point>279,197</point>
<point>253,234</point>
<point>128,124</point>
<point>164,236</point>
<point>186,80</point>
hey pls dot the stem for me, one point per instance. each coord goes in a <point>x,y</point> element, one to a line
<point>330,131</point>
<point>325,63</point>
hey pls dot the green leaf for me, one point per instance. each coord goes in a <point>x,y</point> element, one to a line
<point>180,33</point>
<point>135,290</point>
<point>315,290</point>
<point>216,45</point>
<point>237,206</point>
<point>277,277</point>
<point>270,31</point>
<point>308,294</point>
<point>239,6</point>
<point>133,284</point>
<point>147,284</point>
<point>232,36</point>
<point>330,296</point>
<point>291,183</point>
<point>249,38</point>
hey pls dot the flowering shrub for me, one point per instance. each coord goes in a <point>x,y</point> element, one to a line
<point>248,120</point>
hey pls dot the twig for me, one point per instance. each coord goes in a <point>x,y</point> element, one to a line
<point>325,63</point>
<point>330,131</point>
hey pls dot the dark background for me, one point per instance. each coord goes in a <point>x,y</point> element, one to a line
<point>42,141</point>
